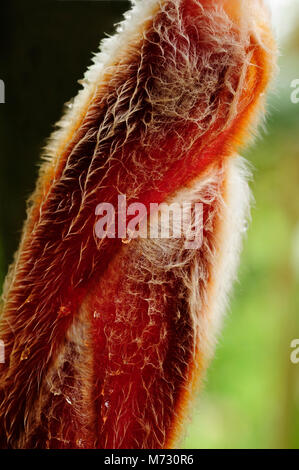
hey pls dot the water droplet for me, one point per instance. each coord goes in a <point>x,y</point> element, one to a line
<point>29,299</point>
<point>79,443</point>
<point>245,226</point>
<point>68,400</point>
<point>64,310</point>
<point>106,404</point>
<point>96,314</point>
<point>25,354</point>
<point>69,104</point>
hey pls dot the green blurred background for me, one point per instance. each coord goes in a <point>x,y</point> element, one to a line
<point>251,395</point>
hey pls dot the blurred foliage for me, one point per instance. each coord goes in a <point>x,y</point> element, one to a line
<point>251,396</point>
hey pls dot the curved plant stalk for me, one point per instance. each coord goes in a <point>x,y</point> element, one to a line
<point>106,339</point>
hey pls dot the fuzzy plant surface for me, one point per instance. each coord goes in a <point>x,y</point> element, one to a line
<point>107,339</point>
